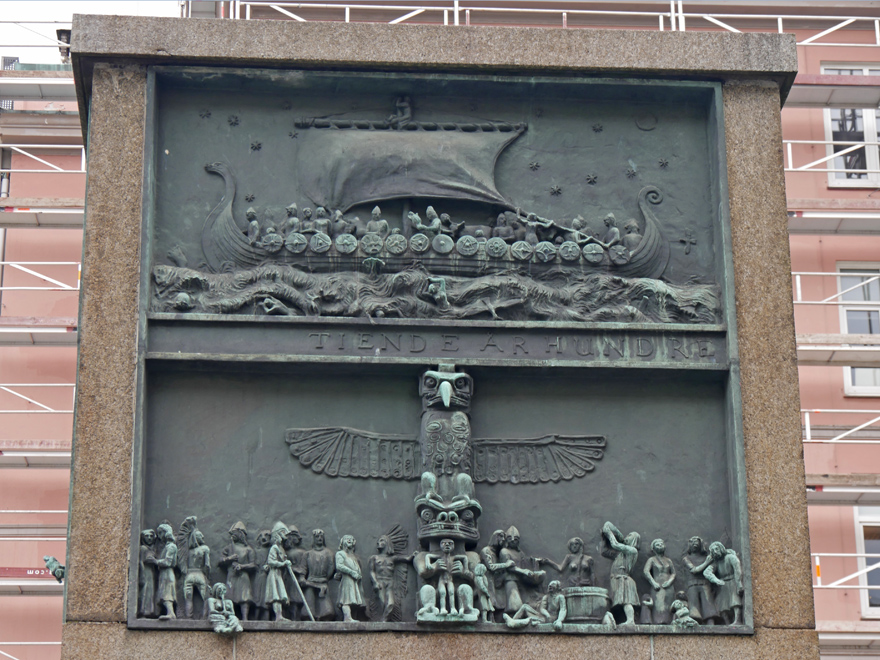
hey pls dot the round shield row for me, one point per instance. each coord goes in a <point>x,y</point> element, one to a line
<point>467,246</point>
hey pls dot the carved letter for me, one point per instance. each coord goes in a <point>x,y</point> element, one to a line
<point>490,341</point>
<point>365,340</point>
<point>388,342</point>
<point>676,347</point>
<point>579,350</point>
<point>341,341</point>
<point>610,346</point>
<point>415,340</point>
<point>705,348</point>
<point>557,344</point>
<point>322,337</point>
<point>644,347</point>
<point>448,343</point>
<point>519,342</point>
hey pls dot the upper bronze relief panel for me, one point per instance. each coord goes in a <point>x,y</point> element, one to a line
<point>437,197</point>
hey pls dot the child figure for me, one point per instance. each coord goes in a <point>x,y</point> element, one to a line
<point>681,614</point>
<point>481,584</point>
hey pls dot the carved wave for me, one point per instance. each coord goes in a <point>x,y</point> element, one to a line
<point>555,295</point>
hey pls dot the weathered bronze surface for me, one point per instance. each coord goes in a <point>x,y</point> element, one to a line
<point>391,310</point>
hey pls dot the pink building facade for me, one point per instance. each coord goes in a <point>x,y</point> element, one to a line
<point>834,219</point>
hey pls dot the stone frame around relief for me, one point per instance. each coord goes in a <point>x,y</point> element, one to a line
<point>225,341</point>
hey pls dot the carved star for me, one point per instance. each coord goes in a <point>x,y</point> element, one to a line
<point>534,165</point>
<point>204,114</point>
<point>287,105</point>
<point>663,163</point>
<point>591,179</point>
<point>630,173</point>
<point>598,128</point>
<point>293,135</point>
<point>233,120</point>
<point>256,146</point>
<point>249,197</point>
<point>555,190</point>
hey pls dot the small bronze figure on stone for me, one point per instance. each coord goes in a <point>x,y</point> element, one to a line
<point>239,560</point>
<point>221,612</point>
<point>297,556</point>
<point>444,563</point>
<point>377,224</point>
<point>194,560</point>
<point>660,573</point>
<point>481,591</point>
<point>277,565</point>
<point>258,585</point>
<point>522,574</point>
<point>388,572</point>
<point>681,617</point>
<point>147,575</point>
<point>348,569</point>
<point>166,591</point>
<point>725,572</point>
<point>578,564</point>
<point>55,568</point>
<point>491,557</point>
<point>625,552</point>
<point>321,564</point>
<point>699,591</point>
<point>552,609</point>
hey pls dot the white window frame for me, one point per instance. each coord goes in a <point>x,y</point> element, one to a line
<point>861,266</point>
<point>862,521</point>
<point>871,125</point>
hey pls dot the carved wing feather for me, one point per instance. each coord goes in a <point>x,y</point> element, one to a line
<point>344,452</point>
<point>533,460</point>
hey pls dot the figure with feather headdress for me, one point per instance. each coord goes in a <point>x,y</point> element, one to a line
<point>194,562</point>
<point>388,572</point>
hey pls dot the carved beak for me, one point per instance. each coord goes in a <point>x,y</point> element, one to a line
<point>446,392</point>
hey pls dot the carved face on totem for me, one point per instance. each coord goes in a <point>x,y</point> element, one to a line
<point>446,390</point>
<point>456,521</point>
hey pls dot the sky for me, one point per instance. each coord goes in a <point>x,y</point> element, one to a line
<point>43,32</point>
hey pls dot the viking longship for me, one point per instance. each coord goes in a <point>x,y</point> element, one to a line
<point>376,162</point>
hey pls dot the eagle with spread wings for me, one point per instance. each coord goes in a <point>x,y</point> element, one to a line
<point>445,445</point>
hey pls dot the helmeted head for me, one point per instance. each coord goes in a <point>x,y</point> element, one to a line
<point>279,533</point>
<point>238,532</point>
<point>292,210</point>
<point>511,538</point>
<point>431,214</point>
<point>376,213</point>
<point>631,227</point>
<point>610,220</point>
<point>294,538</point>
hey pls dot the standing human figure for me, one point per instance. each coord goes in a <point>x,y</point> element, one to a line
<point>321,564</point>
<point>384,574</point>
<point>239,560</point>
<point>725,572</point>
<point>197,568</point>
<point>348,567</point>
<point>147,575</point>
<point>660,573</point>
<point>297,556</point>
<point>166,591</point>
<point>491,557</point>
<point>623,588</point>
<point>258,585</point>
<point>699,591</point>
<point>278,565</point>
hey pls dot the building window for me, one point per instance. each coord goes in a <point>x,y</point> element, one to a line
<point>859,166</point>
<point>867,544</point>
<point>860,315</point>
